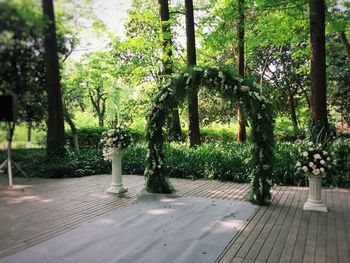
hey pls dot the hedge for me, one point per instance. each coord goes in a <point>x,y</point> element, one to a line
<point>230,162</point>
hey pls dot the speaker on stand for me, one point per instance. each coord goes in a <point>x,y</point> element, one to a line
<point>8,114</point>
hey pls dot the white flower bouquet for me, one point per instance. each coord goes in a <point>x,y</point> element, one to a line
<point>315,160</point>
<point>118,138</point>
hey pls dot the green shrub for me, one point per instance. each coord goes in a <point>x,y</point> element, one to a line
<point>134,159</point>
<point>229,162</point>
<point>218,135</point>
<point>286,157</point>
<point>89,137</point>
<point>137,135</point>
<point>86,162</point>
<point>75,164</point>
<point>340,170</point>
<point>210,161</point>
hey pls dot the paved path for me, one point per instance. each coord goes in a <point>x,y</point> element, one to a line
<point>36,210</point>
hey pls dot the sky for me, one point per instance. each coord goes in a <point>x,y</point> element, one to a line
<point>113,13</point>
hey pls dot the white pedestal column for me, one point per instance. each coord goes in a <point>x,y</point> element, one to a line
<point>314,201</point>
<point>116,185</point>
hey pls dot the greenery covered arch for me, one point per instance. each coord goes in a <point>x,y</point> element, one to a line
<point>229,85</point>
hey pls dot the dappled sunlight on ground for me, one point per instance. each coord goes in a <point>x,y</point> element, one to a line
<point>215,191</point>
<point>166,200</point>
<point>225,225</point>
<point>21,193</point>
<point>339,190</point>
<point>160,211</point>
<point>47,200</point>
<point>102,196</point>
<point>232,223</point>
<point>21,199</point>
<point>179,203</point>
<point>107,221</point>
<point>20,187</point>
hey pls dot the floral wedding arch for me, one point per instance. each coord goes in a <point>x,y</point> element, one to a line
<point>229,85</point>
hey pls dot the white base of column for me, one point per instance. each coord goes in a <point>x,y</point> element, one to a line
<point>116,190</point>
<point>311,205</point>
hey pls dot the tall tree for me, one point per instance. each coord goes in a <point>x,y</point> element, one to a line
<point>241,135</point>
<point>287,81</point>
<point>191,61</point>
<point>21,59</point>
<point>167,61</point>
<point>318,66</point>
<point>96,77</point>
<point>55,129</point>
<point>338,74</point>
<point>345,42</point>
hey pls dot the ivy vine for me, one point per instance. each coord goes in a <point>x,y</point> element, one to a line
<point>232,87</point>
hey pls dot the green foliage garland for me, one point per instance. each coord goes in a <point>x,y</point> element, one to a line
<point>232,87</point>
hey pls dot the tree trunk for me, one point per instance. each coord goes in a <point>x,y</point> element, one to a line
<point>307,98</point>
<point>29,135</point>
<point>73,128</point>
<point>55,129</point>
<point>345,42</point>
<point>318,66</point>
<point>100,120</point>
<point>102,115</point>
<point>293,115</point>
<point>241,135</point>
<point>99,103</point>
<point>175,126</point>
<point>166,38</point>
<point>167,60</point>
<point>193,116</point>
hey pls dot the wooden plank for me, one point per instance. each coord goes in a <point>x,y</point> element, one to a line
<point>342,241</point>
<point>274,243</point>
<point>47,218</point>
<point>300,242</point>
<point>207,191</point>
<point>237,193</point>
<point>266,231</point>
<point>223,190</point>
<point>281,232</point>
<point>310,245</point>
<point>345,202</point>
<point>196,189</point>
<point>294,228</point>
<point>65,222</point>
<point>239,246</point>
<point>321,242</point>
<point>331,251</point>
<point>71,204</point>
<point>182,189</point>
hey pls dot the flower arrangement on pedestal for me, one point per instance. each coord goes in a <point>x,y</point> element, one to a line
<point>117,138</point>
<point>114,142</point>
<point>315,162</point>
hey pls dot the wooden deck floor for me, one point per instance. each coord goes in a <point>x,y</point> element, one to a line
<point>36,210</point>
